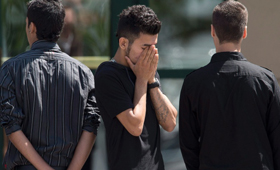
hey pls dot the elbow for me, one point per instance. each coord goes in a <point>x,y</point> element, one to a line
<point>136,128</point>
<point>136,131</point>
<point>170,127</point>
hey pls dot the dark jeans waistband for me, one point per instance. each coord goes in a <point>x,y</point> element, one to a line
<point>31,167</point>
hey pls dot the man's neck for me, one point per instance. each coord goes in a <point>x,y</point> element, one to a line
<point>228,47</point>
<point>120,58</point>
<point>32,41</point>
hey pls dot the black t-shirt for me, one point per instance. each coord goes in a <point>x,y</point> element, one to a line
<point>114,94</point>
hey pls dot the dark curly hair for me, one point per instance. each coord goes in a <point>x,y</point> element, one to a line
<point>136,19</point>
<point>229,20</point>
<point>48,17</point>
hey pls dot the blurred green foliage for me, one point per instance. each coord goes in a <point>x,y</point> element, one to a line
<point>13,15</point>
<point>93,26</point>
<point>175,16</point>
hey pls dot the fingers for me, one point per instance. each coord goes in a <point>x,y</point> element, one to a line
<point>146,65</point>
<point>152,54</point>
<point>153,67</point>
<point>156,50</point>
<point>147,55</point>
<point>154,62</point>
<point>143,55</point>
<point>155,56</point>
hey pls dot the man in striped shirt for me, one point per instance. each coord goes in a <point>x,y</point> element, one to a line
<point>48,107</point>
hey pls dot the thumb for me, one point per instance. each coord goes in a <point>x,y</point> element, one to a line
<point>129,62</point>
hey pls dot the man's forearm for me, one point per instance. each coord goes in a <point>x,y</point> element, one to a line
<point>133,119</point>
<point>139,101</point>
<point>165,111</point>
<point>82,150</point>
<point>24,146</point>
<point>5,143</point>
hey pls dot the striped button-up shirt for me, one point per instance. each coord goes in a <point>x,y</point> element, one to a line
<point>50,97</point>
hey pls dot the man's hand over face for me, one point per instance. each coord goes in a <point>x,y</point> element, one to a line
<point>146,65</point>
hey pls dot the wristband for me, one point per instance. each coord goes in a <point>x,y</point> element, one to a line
<point>154,84</point>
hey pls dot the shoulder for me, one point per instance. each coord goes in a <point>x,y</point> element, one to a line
<point>193,80</point>
<point>261,69</point>
<point>105,72</point>
<point>13,62</point>
<point>257,71</point>
<point>82,68</point>
<point>111,73</point>
<point>104,67</point>
<point>16,58</point>
<point>66,57</point>
<point>193,73</point>
<point>109,68</point>
<point>199,73</point>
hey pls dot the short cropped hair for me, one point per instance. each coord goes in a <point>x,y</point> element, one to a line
<point>135,20</point>
<point>48,17</point>
<point>229,20</point>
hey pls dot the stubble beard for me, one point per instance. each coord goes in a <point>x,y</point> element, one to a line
<point>128,51</point>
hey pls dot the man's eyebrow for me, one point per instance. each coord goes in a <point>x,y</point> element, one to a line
<point>147,45</point>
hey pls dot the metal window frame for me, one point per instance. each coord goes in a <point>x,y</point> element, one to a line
<point>1,131</point>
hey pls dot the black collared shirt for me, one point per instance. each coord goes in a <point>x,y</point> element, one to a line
<point>230,116</point>
<point>50,97</point>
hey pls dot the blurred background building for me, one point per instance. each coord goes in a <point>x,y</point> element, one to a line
<point>184,44</point>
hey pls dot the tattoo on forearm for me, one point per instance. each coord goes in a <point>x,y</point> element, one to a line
<point>161,110</point>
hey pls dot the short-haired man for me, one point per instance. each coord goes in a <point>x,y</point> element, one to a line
<point>48,106</point>
<point>129,97</point>
<point>230,109</point>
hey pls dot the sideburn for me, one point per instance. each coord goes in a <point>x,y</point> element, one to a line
<point>128,50</point>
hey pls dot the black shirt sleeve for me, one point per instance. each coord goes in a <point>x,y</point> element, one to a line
<point>188,132</point>
<point>111,94</point>
<point>273,124</point>
<point>11,114</point>
<point>91,112</point>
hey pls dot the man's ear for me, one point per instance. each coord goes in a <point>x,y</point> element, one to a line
<point>123,43</point>
<point>245,33</point>
<point>32,28</point>
<point>213,33</point>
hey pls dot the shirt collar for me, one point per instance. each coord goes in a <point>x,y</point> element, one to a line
<point>45,45</point>
<point>224,56</point>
